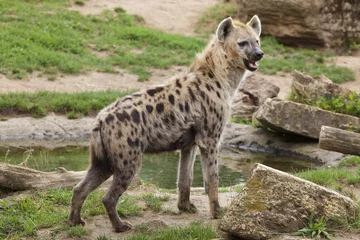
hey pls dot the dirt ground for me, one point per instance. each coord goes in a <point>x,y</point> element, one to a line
<point>171,16</point>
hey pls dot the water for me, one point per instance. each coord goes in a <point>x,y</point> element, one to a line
<point>158,169</point>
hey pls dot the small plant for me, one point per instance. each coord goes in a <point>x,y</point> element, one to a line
<point>314,229</point>
<point>79,231</point>
<point>79,2</point>
<point>154,202</point>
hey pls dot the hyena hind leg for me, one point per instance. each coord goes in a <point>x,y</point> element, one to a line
<point>95,176</point>
<point>185,178</point>
<point>121,180</point>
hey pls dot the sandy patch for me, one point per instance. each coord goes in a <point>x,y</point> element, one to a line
<point>167,15</point>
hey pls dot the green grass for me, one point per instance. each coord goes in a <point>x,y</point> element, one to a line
<point>78,232</point>
<point>155,202</point>
<point>75,105</point>
<point>350,162</point>
<point>44,36</point>
<point>192,231</point>
<point>279,58</point>
<point>207,23</point>
<point>24,217</point>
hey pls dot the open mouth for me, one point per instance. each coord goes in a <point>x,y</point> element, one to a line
<point>250,65</point>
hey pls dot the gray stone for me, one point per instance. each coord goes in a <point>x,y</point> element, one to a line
<point>245,137</point>
<point>273,202</point>
<point>322,23</point>
<point>290,117</point>
<point>306,88</point>
<point>253,92</point>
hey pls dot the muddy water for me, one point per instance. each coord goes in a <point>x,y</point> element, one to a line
<point>158,169</point>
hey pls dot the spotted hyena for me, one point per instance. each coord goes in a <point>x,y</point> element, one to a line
<point>189,112</point>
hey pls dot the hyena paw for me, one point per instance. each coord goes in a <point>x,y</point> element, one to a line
<point>123,227</point>
<point>187,207</point>
<point>74,222</point>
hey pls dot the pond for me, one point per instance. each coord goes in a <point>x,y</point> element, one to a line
<point>158,169</point>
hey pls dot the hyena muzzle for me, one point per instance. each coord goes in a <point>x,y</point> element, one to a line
<point>188,113</point>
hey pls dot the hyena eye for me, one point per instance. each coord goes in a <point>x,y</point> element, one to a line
<point>243,43</point>
<point>257,42</point>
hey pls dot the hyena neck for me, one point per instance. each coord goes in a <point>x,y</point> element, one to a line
<point>215,60</point>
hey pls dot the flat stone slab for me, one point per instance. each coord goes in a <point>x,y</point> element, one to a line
<point>301,119</point>
<point>273,202</point>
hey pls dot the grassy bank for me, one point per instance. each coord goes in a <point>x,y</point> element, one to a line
<point>74,105</point>
<point>46,37</point>
<point>44,209</point>
<point>279,58</point>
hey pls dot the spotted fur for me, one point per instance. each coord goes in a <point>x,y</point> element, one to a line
<point>188,113</point>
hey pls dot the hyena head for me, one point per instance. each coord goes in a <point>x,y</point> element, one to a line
<point>241,42</point>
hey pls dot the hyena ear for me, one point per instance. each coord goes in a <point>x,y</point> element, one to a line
<point>224,29</point>
<point>255,24</point>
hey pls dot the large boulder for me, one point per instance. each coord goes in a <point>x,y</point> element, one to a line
<point>253,91</point>
<point>296,22</point>
<point>274,202</point>
<point>290,117</point>
<point>305,88</point>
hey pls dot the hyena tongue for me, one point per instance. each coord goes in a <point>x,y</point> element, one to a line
<point>253,64</point>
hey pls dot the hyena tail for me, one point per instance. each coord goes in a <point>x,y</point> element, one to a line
<point>98,151</point>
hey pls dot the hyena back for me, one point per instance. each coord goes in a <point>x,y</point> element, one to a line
<point>189,112</point>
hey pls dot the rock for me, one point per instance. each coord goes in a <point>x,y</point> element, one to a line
<point>240,137</point>
<point>304,120</point>
<point>306,23</point>
<point>253,92</point>
<point>273,202</point>
<point>306,88</point>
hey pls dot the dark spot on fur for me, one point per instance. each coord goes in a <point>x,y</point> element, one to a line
<point>144,118</point>
<point>210,74</point>
<point>178,84</point>
<point>124,185</point>
<point>110,132</point>
<point>137,95</point>
<point>192,95</point>
<point>208,87</point>
<point>171,99</point>
<point>187,109</point>
<point>142,131</point>
<point>152,92</point>
<point>158,135</point>
<point>198,80</point>
<point>212,151</point>
<point>202,94</point>
<point>177,91</point>
<point>204,74</point>
<point>119,134</point>
<point>149,108</point>
<point>127,98</point>
<point>135,116</point>
<point>181,107</point>
<point>160,107</point>
<point>215,162</point>
<point>218,94</point>
<point>125,162</point>
<point>156,125</point>
<point>109,119</point>
<point>123,116</point>
<point>225,56</point>
<point>137,142</point>
<point>130,142</point>
<point>218,84</point>
<point>210,164</point>
<point>172,117</point>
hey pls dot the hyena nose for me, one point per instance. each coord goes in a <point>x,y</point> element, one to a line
<point>259,54</point>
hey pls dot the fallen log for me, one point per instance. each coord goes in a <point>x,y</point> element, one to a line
<point>21,178</point>
<point>338,140</point>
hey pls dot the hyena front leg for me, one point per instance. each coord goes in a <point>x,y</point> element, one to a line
<point>185,178</point>
<point>210,170</point>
